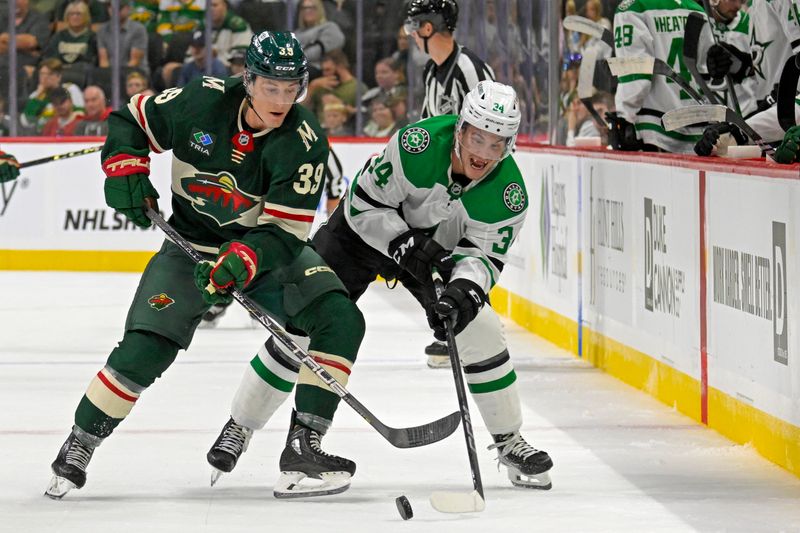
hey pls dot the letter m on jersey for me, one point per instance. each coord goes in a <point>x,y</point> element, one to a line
<point>307,135</point>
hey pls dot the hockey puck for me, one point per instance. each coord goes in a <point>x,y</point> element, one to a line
<point>404,507</point>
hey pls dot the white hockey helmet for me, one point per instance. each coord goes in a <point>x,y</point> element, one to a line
<point>492,107</point>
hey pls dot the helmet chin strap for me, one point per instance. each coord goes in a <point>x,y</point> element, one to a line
<point>248,96</point>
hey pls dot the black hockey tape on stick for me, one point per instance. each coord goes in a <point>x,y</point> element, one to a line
<point>787,94</point>
<point>459,502</point>
<point>586,87</point>
<point>728,77</point>
<point>399,437</point>
<point>691,40</point>
<point>59,157</point>
<point>587,26</point>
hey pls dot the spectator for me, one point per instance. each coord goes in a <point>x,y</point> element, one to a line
<point>65,119</point>
<point>316,34</point>
<point>229,31</point>
<point>32,35</point>
<point>145,12</point>
<point>336,79</point>
<point>94,122</point>
<point>77,43</point>
<point>381,18</point>
<point>5,120</point>
<point>132,40</point>
<point>236,60</point>
<point>177,17</point>
<point>389,79</point>
<point>594,11</point>
<point>38,108</point>
<point>382,122</point>
<point>335,116</point>
<point>97,13</point>
<point>135,83</point>
<point>196,67</point>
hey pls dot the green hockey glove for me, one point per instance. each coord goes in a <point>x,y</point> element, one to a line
<point>787,152</point>
<point>9,167</point>
<point>202,279</point>
<point>236,266</point>
<point>127,186</point>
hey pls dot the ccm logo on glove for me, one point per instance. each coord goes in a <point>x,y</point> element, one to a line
<point>418,254</point>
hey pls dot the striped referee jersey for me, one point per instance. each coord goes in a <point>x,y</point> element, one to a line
<point>448,83</point>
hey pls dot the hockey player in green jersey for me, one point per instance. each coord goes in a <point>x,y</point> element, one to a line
<point>9,167</point>
<point>247,170</point>
<point>445,194</point>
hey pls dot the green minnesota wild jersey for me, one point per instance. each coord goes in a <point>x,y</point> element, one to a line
<point>409,185</point>
<point>227,182</point>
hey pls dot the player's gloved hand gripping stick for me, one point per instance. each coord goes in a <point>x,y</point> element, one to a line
<point>399,437</point>
<point>458,502</point>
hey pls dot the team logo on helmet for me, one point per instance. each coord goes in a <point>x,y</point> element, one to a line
<point>415,140</point>
<point>218,196</point>
<point>159,302</point>
<point>514,198</point>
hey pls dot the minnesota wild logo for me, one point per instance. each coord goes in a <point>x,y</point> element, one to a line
<point>159,302</point>
<point>218,196</point>
<point>514,198</point>
<point>415,140</point>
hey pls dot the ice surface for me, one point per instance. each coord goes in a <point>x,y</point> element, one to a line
<point>623,461</point>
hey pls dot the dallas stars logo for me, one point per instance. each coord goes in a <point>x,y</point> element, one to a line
<point>415,140</point>
<point>514,198</point>
<point>159,302</point>
<point>218,196</point>
<point>758,49</point>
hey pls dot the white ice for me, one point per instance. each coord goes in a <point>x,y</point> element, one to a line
<point>623,461</point>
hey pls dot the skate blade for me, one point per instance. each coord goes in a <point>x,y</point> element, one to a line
<point>58,487</point>
<point>457,502</point>
<point>438,361</point>
<point>533,481</point>
<point>215,475</point>
<point>289,485</point>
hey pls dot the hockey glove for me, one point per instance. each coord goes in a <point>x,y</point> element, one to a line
<point>236,266</point>
<point>127,186</point>
<point>705,146</point>
<point>622,134</point>
<point>724,59</point>
<point>460,302</point>
<point>417,253</point>
<point>9,167</point>
<point>787,152</point>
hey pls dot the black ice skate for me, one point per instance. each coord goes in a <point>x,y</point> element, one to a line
<point>527,466</point>
<point>230,445</point>
<point>69,468</point>
<point>212,317</point>
<point>438,357</point>
<point>303,458</point>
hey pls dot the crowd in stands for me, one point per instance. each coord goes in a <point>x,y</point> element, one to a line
<point>65,53</point>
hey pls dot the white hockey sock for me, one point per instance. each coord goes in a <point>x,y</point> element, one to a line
<point>493,386</point>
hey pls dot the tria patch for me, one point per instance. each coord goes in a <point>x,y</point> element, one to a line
<point>159,302</point>
<point>218,196</point>
<point>415,140</point>
<point>514,198</point>
<point>201,141</point>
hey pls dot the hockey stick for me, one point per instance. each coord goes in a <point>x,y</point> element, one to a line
<point>649,65</point>
<point>587,26</point>
<point>728,77</point>
<point>586,86</point>
<point>691,41</point>
<point>59,157</point>
<point>787,94</point>
<point>399,437</point>
<point>698,114</point>
<point>459,502</point>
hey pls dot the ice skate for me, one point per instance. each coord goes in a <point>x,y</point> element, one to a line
<point>212,317</point>
<point>303,458</point>
<point>527,466</point>
<point>229,446</point>
<point>438,357</point>
<point>69,468</point>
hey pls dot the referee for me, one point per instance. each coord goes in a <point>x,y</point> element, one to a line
<point>452,69</point>
<point>450,73</point>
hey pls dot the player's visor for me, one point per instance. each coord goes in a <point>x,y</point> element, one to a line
<point>279,91</point>
<point>483,144</point>
<point>411,25</point>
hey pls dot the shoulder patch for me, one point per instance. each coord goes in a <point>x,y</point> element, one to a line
<point>415,140</point>
<point>514,198</point>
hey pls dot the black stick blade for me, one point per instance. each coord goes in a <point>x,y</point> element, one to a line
<point>424,434</point>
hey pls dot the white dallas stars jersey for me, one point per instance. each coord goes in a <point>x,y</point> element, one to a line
<point>409,185</point>
<point>737,34</point>
<point>774,37</point>
<point>654,28</point>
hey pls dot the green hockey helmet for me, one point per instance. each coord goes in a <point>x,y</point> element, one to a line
<point>276,55</point>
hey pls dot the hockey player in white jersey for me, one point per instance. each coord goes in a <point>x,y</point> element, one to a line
<point>653,28</point>
<point>443,194</point>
